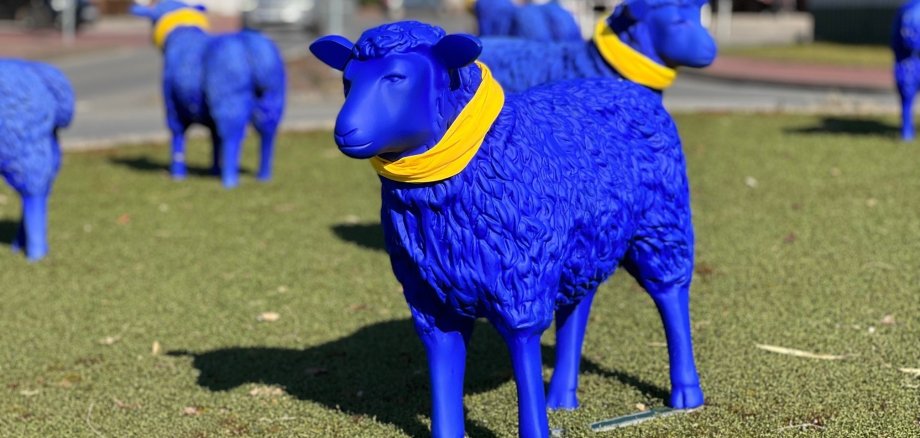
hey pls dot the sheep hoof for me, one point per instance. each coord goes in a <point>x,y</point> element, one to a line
<point>35,256</point>
<point>178,174</point>
<point>686,397</point>
<point>562,402</point>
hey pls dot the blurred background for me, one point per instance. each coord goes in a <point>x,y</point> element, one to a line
<point>807,55</point>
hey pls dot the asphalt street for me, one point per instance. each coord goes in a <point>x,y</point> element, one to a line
<point>118,97</point>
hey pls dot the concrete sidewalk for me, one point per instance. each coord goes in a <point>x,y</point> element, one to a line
<point>742,69</point>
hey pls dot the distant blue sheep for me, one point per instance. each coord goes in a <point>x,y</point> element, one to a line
<point>222,82</point>
<point>35,101</point>
<point>905,42</point>
<point>515,208</point>
<point>643,41</point>
<point>538,22</point>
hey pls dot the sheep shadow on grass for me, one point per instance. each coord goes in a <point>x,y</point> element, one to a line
<point>146,164</point>
<point>8,230</point>
<point>849,126</point>
<point>367,235</point>
<point>378,371</point>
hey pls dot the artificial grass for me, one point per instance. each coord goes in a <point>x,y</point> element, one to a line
<point>806,233</point>
<point>846,55</point>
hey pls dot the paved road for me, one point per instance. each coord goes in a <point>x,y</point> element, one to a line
<point>119,97</point>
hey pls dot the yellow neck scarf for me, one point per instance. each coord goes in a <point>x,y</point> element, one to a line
<point>459,144</point>
<point>178,18</point>
<point>630,63</point>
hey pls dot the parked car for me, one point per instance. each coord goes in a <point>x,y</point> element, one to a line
<point>301,14</point>
<point>46,13</point>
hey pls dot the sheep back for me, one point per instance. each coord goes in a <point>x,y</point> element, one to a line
<point>568,177</point>
<point>520,64</point>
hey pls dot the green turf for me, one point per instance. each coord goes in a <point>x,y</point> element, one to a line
<point>818,53</point>
<point>812,257</point>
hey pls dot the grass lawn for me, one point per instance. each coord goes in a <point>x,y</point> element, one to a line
<point>819,53</point>
<point>145,318</point>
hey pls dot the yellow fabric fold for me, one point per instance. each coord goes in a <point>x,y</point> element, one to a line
<point>459,144</point>
<point>178,18</point>
<point>629,62</point>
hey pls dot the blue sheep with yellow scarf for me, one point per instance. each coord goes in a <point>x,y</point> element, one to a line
<point>642,41</point>
<point>539,22</point>
<point>223,82</point>
<point>36,100</point>
<point>515,207</point>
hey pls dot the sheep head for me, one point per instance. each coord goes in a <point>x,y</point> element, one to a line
<point>671,27</point>
<point>397,79</point>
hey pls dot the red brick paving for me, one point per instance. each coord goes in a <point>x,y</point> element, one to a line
<point>817,75</point>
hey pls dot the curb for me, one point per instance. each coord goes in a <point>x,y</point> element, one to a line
<point>717,77</point>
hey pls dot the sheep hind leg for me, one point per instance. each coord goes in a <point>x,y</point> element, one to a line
<point>445,342</point>
<point>907,116</point>
<point>571,322</point>
<point>33,228</point>
<point>232,133</point>
<point>674,307</point>
<point>528,375</point>
<point>663,265</point>
<point>266,118</point>
<point>215,151</point>
<point>267,135</point>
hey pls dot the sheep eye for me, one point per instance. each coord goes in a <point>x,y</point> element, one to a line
<point>394,77</point>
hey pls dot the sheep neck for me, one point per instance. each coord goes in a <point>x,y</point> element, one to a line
<point>459,144</point>
<point>185,17</point>
<point>629,62</point>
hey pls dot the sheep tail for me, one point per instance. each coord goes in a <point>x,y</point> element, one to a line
<point>63,93</point>
<point>266,63</point>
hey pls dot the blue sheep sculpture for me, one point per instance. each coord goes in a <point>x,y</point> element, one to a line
<point>905,42</point>
<point>539,22</point>
<point>36,100</point>
<point>515,208</point>
<point>642,41</point>
<point>223,82</point>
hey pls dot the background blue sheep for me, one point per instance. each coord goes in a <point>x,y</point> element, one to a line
<point>905,42</point>
<point>222,82</point>
<point>667,33</point>
<point>35,101</point>
<point>569,181</point>
<point>538,22</point>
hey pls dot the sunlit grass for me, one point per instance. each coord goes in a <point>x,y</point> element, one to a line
<point>806,239</point>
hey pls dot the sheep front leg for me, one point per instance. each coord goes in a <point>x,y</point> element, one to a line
<point>524,346</point>
<point>177,129</point>
<point>571,322</point>
<point>445,339</point>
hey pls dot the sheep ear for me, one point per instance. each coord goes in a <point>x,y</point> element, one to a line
<point>638,9</point>
<point>333,50</point>
<point>141,11</point>
<point>457,50</point>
